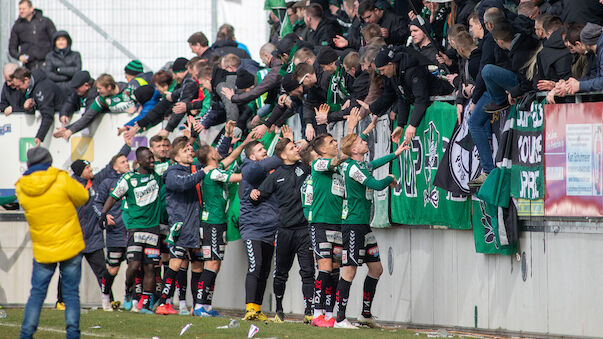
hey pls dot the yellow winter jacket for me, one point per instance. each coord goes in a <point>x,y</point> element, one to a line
<point>49,199</point>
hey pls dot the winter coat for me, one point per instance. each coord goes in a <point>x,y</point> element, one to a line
<point>491,53</point>
<point>595,81</point>
<point>115,235</point>
<point>49,198</point>
<point>61,65</point>
<point>397,28</point>
<point>523,53</point>
<point>582,11</point>
<point>89,115</point>
<point>257,222</point>
<point>48,98</point>
<point>33,38</point>
<point>186,92</point>
<point>74,102</point>
<point>324,33</point>
<point>223,47</point>
<point>11,97</point>
<point>412,85</point>
<point>271,81</point>
<point>554,60</point>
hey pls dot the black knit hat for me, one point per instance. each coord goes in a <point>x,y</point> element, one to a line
<point>286,43</point>
<point>79,78</point>
<point>38,155</point>
<point>134,67</point>
<point>78,166</point>
<point>244,79</point>
<point>289,83</point>
<point>179,65</point>
<point>144,93</point>
<point>425,27</point>
<point>327,55</point>
<point>385,56</point>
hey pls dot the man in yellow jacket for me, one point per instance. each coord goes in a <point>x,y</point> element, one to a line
<point>49,197</point>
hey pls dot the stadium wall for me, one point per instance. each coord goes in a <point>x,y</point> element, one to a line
<point>432,276</point>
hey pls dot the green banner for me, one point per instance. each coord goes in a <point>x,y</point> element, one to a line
<point>486,231</point>
<point>415,200</point>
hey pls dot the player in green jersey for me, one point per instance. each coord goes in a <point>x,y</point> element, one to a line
<point>213,220</point>
<point>359,243</point>
<point>141,192</point>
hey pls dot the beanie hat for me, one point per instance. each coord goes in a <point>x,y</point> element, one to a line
<point>38,155</point>
<point>384,57</point>
<point>134,67</point>
<point>244,79</point>
<point>327,55</point>
<point>424,27</point>
<point>590,34</point>
<point>289,83</point>
<point>179,65</point>
<point>144,93</point>
<point>78,166</point>
<point>286,43</point>
<point>79,78</point>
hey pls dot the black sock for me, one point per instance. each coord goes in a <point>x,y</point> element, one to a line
<point>138,284</point>
<point>321,284</point>
<point>370,285</point>
<point>181,282</point>
<point>279,294</point>
<point>206,286</point>
<point>158,282</point>
<point>195,276</point>
<point>331,290</point>
<point>146,300</point>
<point>168,286</point>
<point>107,283</point>
<point>343,293</point>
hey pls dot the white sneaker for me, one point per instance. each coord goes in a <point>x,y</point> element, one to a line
<point>135,307</point>
<point>370,322</point>
<point>106,304</point>
<point>345,324</point>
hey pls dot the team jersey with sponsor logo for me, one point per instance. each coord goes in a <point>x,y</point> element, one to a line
<point>357,204</point>
<point>141,192</point>
<point>161,166</point>
<point>215,196</point>
<point>307,196</point>
<point>328,189</point>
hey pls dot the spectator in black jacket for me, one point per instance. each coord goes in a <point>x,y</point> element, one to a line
<point>354,38</point>
<point>83,94</point>
<point>394,28</point>
<point>62,63</point>
<point>468,69</point>
<point>421,41</point>
<point>582,11</point>
<point>225,44</point>
<point>41,94</point>
<point>555,59</point>
<point>200,46</point>
<point>11,98</point>
<point>408,83</point>
<point>31,36</point>
<point>322,29</point>
<point>505,84</point>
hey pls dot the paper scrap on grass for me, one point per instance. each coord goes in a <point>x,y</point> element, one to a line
<point>185,328</point>
<point>253,330</point>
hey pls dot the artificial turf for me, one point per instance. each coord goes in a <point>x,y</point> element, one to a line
<point>97,323</point>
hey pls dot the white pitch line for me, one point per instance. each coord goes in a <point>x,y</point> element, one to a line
<point>54,330</point>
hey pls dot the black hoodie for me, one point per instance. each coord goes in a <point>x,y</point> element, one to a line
<point>223,47</point>
<point>61,65</point>
<point>33,38</point>
<point>48,98</point>
<point>554,60</point>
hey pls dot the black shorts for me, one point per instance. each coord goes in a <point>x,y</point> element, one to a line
<point>213,241</point>
<point>143,245</point>
<point>327,241</point>
<point>359,245</point>
<point>115,255</point>
<point>192,254</point>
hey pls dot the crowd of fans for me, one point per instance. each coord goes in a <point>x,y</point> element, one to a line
<point>327,61</point>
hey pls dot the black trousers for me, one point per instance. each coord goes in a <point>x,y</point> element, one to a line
<point>291,242</point>
<point>259,260</point>
<point>96,260</point>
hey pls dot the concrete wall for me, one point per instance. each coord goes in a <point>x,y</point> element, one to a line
<point>436,279</point>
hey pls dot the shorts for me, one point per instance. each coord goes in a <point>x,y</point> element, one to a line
<point>327,241</point>
<point>359,245</point>
<point>143,245</point>
<point>179,252</point>
<point>213,241</point>
<point>115,255</point>
<point>164,230</point>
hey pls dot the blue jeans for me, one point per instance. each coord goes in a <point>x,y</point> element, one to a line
<point>481,131</point>
<point>498,80</point>
<point>71,272</point>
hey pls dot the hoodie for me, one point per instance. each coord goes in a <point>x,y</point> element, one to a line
<point>554,60</point>
<point>48,98</point>
<point>49,198</point>
<point>62,64</point>
<point>223,47</point>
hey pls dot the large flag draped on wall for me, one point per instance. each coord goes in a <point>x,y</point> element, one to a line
<point>416,200</point>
